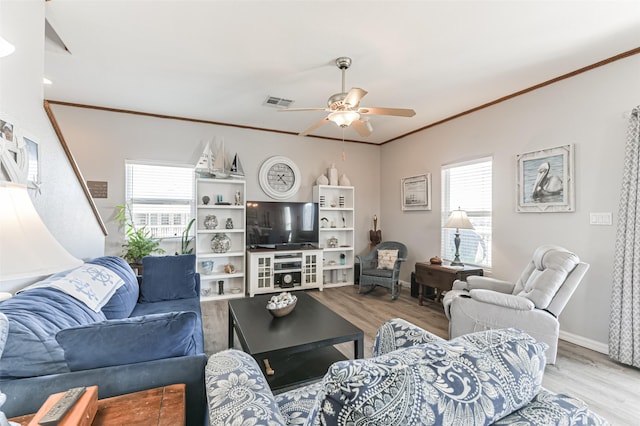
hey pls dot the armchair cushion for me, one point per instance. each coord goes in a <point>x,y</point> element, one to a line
<point>501,299</point>
<point>398,333</point>
<point>485,376</point>
<point>552,265</point>
<point>387,259</point>
<point>382,273</point>
<point>129,340</point>
<point>168,278</point>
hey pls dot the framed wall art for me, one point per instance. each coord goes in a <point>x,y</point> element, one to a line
<point>13,155</point>
<point>416,192</point>
<point>33,161</point>
<point>545,181</point>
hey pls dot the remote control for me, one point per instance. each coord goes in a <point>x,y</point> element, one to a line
<point>60,408</point>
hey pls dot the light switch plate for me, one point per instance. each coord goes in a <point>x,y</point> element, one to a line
<point>600,219</point>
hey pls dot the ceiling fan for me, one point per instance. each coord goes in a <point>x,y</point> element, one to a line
<point>344,107</point>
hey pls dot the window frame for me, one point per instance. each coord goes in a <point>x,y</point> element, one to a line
<point>479,217</point>
<point>153,220</point>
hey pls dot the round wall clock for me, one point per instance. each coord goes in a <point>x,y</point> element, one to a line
<point>279,177</point>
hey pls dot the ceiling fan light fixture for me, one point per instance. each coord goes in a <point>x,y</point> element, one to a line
<point>344,118</point>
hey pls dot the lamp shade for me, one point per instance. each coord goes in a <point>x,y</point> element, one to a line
<point>6,48</point>
<point>343,118</point>
<point>459,220</point>
<point>27,248</point>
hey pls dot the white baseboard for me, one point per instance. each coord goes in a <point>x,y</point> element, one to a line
<point>584,342</point>
<point>404,283</point>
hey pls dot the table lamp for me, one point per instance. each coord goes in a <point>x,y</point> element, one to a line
<point>458,220</point>
<point>27,248</point>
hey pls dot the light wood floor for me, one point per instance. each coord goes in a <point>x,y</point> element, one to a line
<point>610,389</point>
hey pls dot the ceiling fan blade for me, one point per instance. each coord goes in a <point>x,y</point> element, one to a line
<point>399,112</point>
<point>354,96</point>
<point>302,109</point>
<point>315,126</point>
<point>363,127</point>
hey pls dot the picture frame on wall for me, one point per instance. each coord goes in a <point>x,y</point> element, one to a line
<point>545,181</point>
<point>13,158</point>
<point>416,192</point>
<point>33,161</point>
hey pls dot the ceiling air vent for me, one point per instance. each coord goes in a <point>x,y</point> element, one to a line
<point>275,102</point>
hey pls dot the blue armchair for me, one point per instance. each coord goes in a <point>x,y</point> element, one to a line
<point>373,273</point>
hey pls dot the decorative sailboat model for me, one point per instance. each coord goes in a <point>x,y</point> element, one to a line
<point>204,165</point>
<point>220,166</point>
<point>236,167</point>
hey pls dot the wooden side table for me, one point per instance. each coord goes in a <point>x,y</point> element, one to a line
<point>159,406</point>
<point>441,277</point>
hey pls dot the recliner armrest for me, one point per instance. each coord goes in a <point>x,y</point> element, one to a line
<point>486,283</point>
<point>500,299</point>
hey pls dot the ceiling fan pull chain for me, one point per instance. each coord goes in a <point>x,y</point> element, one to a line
<point>344,155</point>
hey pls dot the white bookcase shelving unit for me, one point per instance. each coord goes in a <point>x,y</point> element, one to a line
<point>223,195</point>
<point>336,217</point>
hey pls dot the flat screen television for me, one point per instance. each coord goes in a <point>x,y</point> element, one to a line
<point>281,225</point>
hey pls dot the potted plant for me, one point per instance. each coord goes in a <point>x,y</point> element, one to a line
<point>187,238</point>
<point>139,241</point>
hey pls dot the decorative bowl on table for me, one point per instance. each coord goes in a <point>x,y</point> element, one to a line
<point>282,304</point>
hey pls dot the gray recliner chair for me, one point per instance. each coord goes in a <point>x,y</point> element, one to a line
<point>533,303</point>
<point>373,274</point>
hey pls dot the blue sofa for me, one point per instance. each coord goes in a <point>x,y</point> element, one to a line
<point>98,325</point>
<point>413,378</point>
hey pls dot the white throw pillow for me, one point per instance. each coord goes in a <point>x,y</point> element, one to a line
<point>387,258</point>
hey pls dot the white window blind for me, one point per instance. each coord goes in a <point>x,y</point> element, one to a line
<point>468,186</point>
<point>160,197</point>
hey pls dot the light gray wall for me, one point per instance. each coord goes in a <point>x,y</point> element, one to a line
<point>61,203</point>
<point>587,111</point>
<point>101,141</point>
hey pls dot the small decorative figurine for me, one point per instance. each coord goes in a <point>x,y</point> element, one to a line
<point>229,223</point>
<point>205,200</point>
<point>375,235</point>
<point>238,198</point>
<point>210,221</point>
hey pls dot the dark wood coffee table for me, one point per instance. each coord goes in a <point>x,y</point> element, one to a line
<point>299,346</point>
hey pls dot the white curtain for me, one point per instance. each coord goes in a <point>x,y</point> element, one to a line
<point>624,327</point>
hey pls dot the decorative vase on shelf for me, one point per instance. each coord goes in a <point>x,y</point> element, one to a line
<point>220,243</point>
<point>210,221</point>
<point>322,180</point>
<point>344,181</point>
<point>332,173</point>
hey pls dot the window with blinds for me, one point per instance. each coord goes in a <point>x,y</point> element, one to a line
<point>467,186</point>
<point>160,197</point>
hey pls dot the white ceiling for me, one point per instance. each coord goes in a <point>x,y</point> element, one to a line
<point>219,60</point>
